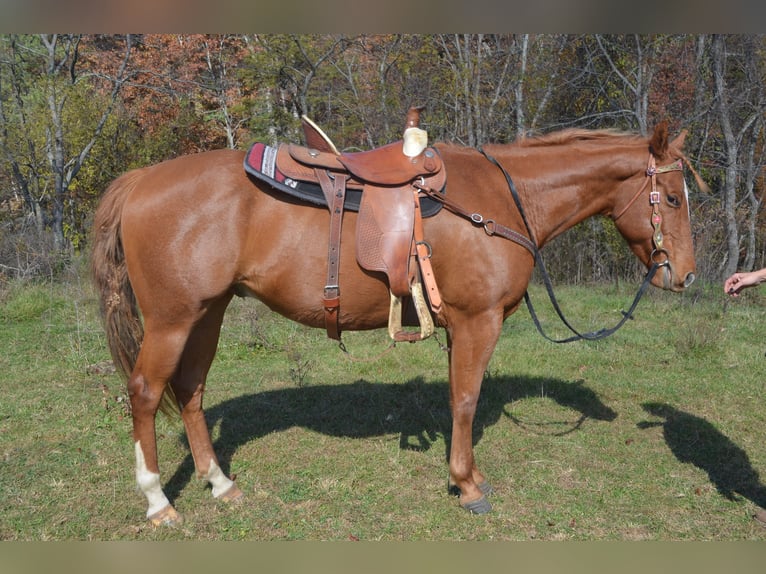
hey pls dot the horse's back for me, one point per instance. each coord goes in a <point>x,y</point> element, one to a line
<point>198,227</point>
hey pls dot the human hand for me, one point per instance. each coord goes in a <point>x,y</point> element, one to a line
<point>739,281</point>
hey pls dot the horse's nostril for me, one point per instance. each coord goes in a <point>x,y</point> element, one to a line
<point>690,277</point>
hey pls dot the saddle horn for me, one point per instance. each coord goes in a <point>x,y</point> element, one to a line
<point>415,139</point>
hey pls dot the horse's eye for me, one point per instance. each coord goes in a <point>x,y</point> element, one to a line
<point>674,200</point>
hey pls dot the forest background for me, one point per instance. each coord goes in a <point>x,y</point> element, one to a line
<point>76,111</point>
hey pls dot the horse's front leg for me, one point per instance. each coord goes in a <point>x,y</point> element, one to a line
<point>471,341</point>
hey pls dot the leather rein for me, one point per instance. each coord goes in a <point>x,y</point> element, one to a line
<point>493,228</point>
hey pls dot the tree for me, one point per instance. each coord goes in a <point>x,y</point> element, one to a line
<point>741,116</point>
<point>228,98</point>
<point>632,62</point>
<point>485,69</point>
<point>287,66</point>
<point>45,138</point>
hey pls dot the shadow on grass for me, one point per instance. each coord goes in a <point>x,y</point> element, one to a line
<point>694,440</point>
<point>417,411</point>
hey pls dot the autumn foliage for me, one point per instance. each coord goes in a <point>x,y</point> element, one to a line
<point>78,110</point>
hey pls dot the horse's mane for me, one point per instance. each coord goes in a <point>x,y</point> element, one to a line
<point>565,136</point>
<point>572,135</point>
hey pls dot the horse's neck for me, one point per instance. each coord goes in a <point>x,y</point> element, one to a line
<point>558,192</point>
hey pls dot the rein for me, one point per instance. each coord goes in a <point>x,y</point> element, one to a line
<point>492,228</point>
<point>592,335</point>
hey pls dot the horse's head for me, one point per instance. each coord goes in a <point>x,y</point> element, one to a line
<point>652,212</point>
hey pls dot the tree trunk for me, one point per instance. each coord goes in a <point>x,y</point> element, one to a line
<point>636,81</point>
<point>521,122</point>
<point>55,143</point>
<point>729,196</point>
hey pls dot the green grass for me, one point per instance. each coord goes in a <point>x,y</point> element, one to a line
<point>656,433</point>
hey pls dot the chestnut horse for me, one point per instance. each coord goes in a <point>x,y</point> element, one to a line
<point>179,239</point>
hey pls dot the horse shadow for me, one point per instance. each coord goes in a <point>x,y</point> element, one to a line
<point>694,440</point>
<point>418,411</point>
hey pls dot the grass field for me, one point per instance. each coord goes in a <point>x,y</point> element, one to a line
<point>656,433</point>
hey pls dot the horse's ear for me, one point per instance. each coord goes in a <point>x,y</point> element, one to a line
<point>678,143</point>
<point>658,145</point>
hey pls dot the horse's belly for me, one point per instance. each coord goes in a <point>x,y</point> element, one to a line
<point>287,268</point>
<point>361,307</point>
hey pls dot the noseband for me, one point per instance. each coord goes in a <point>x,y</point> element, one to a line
<point>654,200</point>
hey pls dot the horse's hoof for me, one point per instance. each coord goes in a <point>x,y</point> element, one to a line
<point>486,488</point>
<point>480,506</point>
<point>166,517</point>
<point>233,495</point>
<point>760,516</point>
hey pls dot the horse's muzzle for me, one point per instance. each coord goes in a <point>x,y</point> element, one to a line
<point>671,282</point>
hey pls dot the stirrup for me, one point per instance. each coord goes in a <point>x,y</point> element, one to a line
<point>395,330</point>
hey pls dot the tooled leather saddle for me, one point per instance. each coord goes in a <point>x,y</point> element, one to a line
<point>383,186</point>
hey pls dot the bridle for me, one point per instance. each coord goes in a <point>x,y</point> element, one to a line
<point>654,200</point>
<point>657,238</point>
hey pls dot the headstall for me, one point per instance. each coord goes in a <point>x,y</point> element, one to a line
<point>654,200</point>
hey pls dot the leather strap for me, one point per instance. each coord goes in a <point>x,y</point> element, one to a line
<point>491,227</point>
<point>423,251</point>
<point>335,193</point>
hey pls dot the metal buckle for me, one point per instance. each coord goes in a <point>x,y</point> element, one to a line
<point>427,245</point>
<point>331,292</point>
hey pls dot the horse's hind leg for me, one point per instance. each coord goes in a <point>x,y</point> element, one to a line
<point>189,386</point>
<point>157,361</point>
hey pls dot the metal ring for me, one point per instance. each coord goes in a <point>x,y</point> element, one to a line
<point>477,218</point>
<point>428,247</point>
<point>487,224</point>
<point>419,185</point>
<point>658,263</point>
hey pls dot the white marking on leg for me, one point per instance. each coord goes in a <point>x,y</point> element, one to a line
<point>149,483</point>
<point>220,482</point>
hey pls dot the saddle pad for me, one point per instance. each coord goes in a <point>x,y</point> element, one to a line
<point>260,162</point>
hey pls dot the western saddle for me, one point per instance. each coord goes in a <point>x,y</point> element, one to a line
<point>389,233</point>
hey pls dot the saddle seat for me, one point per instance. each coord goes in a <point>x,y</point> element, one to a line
<point>397,163</point>
<point>384,166</point>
